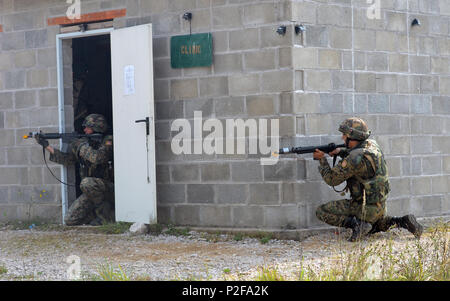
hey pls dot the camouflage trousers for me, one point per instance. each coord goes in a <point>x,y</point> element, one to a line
<point>335,212</point>
<point>96,201</point>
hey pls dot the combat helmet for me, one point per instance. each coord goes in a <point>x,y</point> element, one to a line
<point>96,122</point>
<point>355,128</point>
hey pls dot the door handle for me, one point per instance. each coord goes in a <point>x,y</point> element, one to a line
<point>147,124</point>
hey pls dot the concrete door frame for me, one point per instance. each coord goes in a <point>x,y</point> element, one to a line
<point>61,111</point>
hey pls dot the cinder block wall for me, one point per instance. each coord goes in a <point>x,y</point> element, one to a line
<point>393,75</point>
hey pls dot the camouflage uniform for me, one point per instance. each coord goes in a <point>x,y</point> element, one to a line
<point>96,203</point>
<point>365,171</point>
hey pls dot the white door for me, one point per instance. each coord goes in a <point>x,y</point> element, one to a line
<point>133,124</point>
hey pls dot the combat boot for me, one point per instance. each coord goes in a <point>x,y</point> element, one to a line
<point>409,223</point>
<point>359,228</point>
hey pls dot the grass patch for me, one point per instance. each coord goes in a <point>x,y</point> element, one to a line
<point>114,228</point>
<point>268,274</point>
<point>3,270</point>
<point>107,272</point>
<point>172,230</point>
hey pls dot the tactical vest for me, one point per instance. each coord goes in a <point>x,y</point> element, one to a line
<point>376,187</point>
<point>104,171</point>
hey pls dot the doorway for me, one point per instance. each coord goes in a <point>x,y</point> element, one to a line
<point>92,91</point>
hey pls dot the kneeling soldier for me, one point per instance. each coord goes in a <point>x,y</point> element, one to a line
<point>364,169</point>
<point>96,203</point>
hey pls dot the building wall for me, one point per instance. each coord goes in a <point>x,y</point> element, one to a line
<point>393,75</point>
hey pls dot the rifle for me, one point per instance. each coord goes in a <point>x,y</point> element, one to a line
<point>66,137</point>
<point>327,148</point>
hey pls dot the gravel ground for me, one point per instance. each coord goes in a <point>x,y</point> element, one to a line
<point>42,255</point>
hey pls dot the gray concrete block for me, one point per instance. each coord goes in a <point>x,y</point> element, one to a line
<point>330,59</point>
<point>6,100</point>
<point>317,80</point>
<point>229,106</point>
<point>264,194</point>
<point>215,216</point>
<point>228,63</point>
<point>386,83</point>
<point>282,171</point>
<point>162,173</point>
<point>171,193</point>
<point>14,80</point>
<point>243,84</point>
<point>37,78</point>
<point>46,97</point>
<point>399,104</point>
<point>165,24</point>
<point>331,103</point>
<point>260,60</point>
<point>439,104</point>
<point>200,193</point>
<point>246,171</point>
<point>248,216</point>
<point>36,38</point>
<point>183,89</point>
<point>378,103</point>
<point>420,104</point>
<point>340,38</point>
<point>281,217</point>
<point>420,64</point>
<point>261,105</point>
<point>260,13</point>
<point>304,12</point>
<point>13,41</point>
<point>18,156</point>
<point>169,110</point>
<point>316,36</point>
<point>334,15</point>
<point>244,39</point>
<point>377,61</point>
<point>305,58</point>
<point>227,17</point>
<point>214,86</point>
<point>215,172</point>
<point>231,193</point>
<point>439,184</point>
<point>365,82</point>
<point>441,144</point>
<point>421,186</point>
<point>185,173</point>
<point>399,187</point>
<point>342,80</point>
<point>277,81</point>
<point>269,37</point>
<point>444,85</point>
<point>186,215</point>
<point>364,39</point>
<point>25,59</point>
<point>431,205</point>
<point>398,62</point>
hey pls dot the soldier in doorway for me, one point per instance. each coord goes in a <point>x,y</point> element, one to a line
<point>365,171</point>
<point>96,203</point>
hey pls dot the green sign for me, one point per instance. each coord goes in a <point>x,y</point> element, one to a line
<point>191,50</point>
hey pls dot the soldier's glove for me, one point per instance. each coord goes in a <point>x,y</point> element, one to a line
<point>41,141</point>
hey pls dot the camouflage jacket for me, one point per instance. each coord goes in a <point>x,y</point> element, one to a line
<point>94,158</point>
<point>364,168</point>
